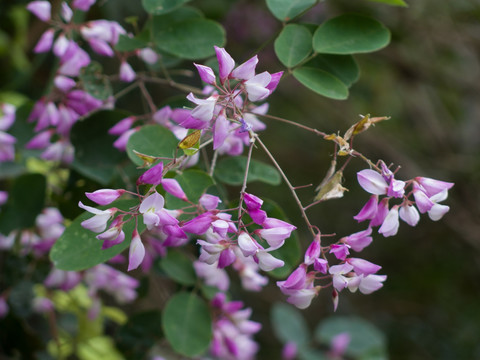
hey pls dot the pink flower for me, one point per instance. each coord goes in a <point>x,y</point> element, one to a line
<point>136,253</point>
<point>127,74</point>
<point>98,223</point>
<point>372,182</point>
<point>369,210</point>
<point>105,196</point>
<point>363,267</point>
<point>340,251</point>
<point>45,42</point>
<point>267,262</point>
<point>225,63</point>
<point>313,251</point>
<point>204,109</point>
<point>209,202</point>
<point>390,224</point>
<point>152,176</point>
<point>409,214</point>
<point>432,186</point>
<point>83,5</point>
<point>173,187</point>
<point>359,240</point>
<point>257,86</point>
<point>41,9</point>
<point>149,208</point>
<point>246,70</point>
<point>206,74</point>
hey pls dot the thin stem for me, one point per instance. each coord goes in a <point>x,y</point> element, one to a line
<point>173,84</point>
<point>125,90</point>
<point>253,137</point>
<point>214,162</point>
<point>292,189</point>
<point>147,96</point>
<point>318,132</point>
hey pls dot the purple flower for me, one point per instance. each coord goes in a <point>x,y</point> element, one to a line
<point>206,74</point>
<point>105,196</point>
<point>173,187</point>
<point>209,202</point>
<point>149,209</point>
<point>369,210</point>
<point>257,86</point>
<point>152,176</point>
<point>98,223</point>
<point>363,267</point>
<point>127,74</point>
<point>41,9</point>
<point>246,70</point>
<point>432,186</point>
<point>45,42</point>
<point>225,63</point>
<point>136,253</point>
<point>83,5</point>
<point>390,224</point>
<point>409,214</point>
<point>372,182</point>
<point>359,240</point>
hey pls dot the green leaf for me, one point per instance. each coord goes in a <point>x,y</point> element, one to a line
<point>79,249</point>
<point>188,39</point>
<point>344,67</point>
<point>307,353</point>
<point>285,10</point>
<point>349,34</point>
<point>10,169</point>
<point>95,156</point>
<point>25,201</point>
<point>126,43</point>
<point>392,2</point>
<point>366,341</point>
<point>95,82</point>
<point>187,324</point>
<point>289,324</point>
<point>194,183</point>
<point>231,171</point>
<point>159,7</point>
<point>152,140</point>
<point>293,44</point>
<point>290,251</point>
<point>321,82</point>
<point>139,334</point>
<point>178,267</point>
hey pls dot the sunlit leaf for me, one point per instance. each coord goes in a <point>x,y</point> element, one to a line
<point>79,249</point>
<point>231,171</point>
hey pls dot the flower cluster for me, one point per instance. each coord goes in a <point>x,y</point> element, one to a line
<point>232,330</point>
<point>427,194</point>
<point>356,273</point>
<point>56,112</point>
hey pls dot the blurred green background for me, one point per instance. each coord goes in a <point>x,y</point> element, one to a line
<point>428,81</point>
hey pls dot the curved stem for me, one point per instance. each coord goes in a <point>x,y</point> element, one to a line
<point>315,131</point>
<point>253,137</point>
<point>292,189</point>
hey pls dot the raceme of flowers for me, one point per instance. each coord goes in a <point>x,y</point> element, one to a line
<point>419,195</point>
